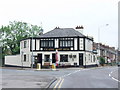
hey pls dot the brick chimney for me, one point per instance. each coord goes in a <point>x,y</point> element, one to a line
<point>57,28</point>
<point>79,29</point>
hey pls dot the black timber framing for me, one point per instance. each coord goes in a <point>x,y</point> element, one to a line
<point>78,38</point>
<point>39,44</point>
<point>55,37</point>
<point>31,44</point>
<point>35,44</point>
<point>78,43</point>
<point>84,44</point>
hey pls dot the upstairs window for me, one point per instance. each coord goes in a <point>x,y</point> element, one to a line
<point>66,43</point>
<point>47,44</point>
<point>25,44</point>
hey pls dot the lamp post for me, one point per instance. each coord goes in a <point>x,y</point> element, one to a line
<point>99,28</point>
<point>85,59</point>
<point>22,59</point>
<point>32,52</point>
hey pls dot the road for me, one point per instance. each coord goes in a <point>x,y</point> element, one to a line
<point>30,78</point>
<point>105,77</point>
<point>99,77</point>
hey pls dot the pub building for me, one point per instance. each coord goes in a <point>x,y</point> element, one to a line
<point>74,48</point>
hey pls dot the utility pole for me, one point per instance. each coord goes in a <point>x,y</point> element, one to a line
<point>99,40</point>
<point>32,52</point>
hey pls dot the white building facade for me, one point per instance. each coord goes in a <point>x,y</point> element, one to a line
<point>74,48</point>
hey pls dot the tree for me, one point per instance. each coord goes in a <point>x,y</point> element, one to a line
<point>14,32</point>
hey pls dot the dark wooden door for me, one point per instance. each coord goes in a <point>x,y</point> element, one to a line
<point>80,59</point>
<point>40,59</point>
<point>53,58</point>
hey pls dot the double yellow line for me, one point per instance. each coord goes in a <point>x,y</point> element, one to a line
<point>59,83</point>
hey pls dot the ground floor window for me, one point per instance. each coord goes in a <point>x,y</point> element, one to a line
<point>47,58</point>
<point>24,58</point>
<point>94,59</point>
<point>63,58</point>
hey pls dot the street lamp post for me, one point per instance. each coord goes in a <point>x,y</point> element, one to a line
<point>22,58</point>
<point>99,39</point>
<point>32,51</point>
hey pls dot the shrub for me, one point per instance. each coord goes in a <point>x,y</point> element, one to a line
<point>102,61</point>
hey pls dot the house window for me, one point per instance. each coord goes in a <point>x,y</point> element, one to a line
<point>47,44</point>
<point>66,43</point>
<point>63,58</point>
<point>94,59</point>
<point>47,58</point>
<point>25,44</point>
<point>91,58</point>
<point>24,58</point>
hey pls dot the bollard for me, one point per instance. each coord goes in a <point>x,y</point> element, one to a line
<point>53,66</point>
<point>38,66</point>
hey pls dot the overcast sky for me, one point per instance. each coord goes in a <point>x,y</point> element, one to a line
<point>92,14</point>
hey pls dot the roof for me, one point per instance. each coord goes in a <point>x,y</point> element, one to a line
<point>62,32</point>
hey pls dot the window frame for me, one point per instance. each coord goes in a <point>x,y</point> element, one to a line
<point>66,43</point>
<point>46,43</point>
<point>25,44</point>
<point>61,56</point>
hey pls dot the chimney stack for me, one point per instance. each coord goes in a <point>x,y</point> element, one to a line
<point>79,29</point>
<point>57,28</point>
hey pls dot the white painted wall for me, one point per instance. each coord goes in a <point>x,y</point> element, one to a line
<point>88,45</point>
<point>37,44</point>
<point>56,43</point>
<point>33,44</point>
<point>16,60</point>
<point>70,61</point>
<point>81,44</point>
<point>75,43</point>
<point>13,60</point>
<point>89,58</point>
<point>26,51</point>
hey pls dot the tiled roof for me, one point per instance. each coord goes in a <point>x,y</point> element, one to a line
<point>62,32</point>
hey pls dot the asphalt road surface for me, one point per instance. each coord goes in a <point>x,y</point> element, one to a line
<point>105,77</point>
<point>99,77</point>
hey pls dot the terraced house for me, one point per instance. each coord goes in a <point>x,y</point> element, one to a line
<point>74,48</point>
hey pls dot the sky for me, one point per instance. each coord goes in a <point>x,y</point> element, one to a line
<point>92,14</point>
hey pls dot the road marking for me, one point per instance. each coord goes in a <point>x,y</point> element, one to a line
<point>70,73</point>
<point>113,77</point>
<point>57,83</point>
<point>61,83</point>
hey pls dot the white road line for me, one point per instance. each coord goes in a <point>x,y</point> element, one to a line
<point>109,75</point>
<point>113,77</point>
<point>70,73</point>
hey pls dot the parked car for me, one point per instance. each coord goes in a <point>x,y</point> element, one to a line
<point>118,64</point>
